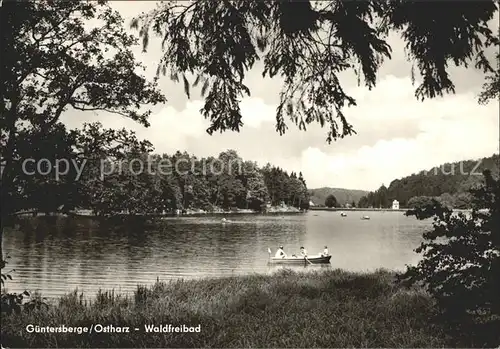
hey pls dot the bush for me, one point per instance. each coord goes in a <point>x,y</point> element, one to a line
<point>331,201</point>
<point>11,302</point>
<point>461,255</point>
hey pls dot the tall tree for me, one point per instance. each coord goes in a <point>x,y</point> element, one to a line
<point>116,179</point>
<point>257,193</point>
<point>52,61</point>
<point>38,187</point>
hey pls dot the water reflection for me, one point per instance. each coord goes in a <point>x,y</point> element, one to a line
<point>57,255</point>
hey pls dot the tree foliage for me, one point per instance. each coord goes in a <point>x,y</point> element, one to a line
<point>285,188</point>
<point>53,61</point>
<point>448,183</point>
<point>331,201</point>
<point>309,44</point>
<point>491,88</point>
<point>37,155</point>
<point>461,254</point>
<point>109,177</point>
<point>120,174</point>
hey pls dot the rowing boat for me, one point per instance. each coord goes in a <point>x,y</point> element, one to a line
<point>300,260</point>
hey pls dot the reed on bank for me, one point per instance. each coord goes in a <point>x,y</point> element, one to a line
<point>330,308</point>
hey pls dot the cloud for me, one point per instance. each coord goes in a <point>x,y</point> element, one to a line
<point>255,112</point>
<point>170,129</point>
<point>447,129</point>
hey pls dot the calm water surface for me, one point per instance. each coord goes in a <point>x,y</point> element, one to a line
<point>57,257</point>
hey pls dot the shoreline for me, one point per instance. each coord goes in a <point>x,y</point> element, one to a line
<point>332,308</point>
<point>316,208</point>
<point>187,213</point>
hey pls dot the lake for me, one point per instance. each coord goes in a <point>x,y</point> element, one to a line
<point>57,257</point>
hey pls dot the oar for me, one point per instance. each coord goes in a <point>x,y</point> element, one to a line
<point>269,251</point>
<point>305,257</point>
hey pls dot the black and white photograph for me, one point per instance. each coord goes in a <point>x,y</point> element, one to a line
<point>250,174</point>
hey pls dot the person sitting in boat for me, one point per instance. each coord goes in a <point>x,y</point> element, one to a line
<point>325,251</point>
<point>303,252</point>
<point>280,253</point>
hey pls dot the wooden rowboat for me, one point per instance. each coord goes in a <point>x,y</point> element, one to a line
<point>300,260</point>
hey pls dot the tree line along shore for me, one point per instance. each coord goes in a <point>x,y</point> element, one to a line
<point>223,184</point>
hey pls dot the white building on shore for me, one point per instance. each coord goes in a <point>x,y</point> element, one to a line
<point>395,205</point>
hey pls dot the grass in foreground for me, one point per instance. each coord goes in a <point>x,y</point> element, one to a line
<point>323,309</point>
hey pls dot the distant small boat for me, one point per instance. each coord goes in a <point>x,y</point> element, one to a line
<point>301,260</point>
<point>343,214</point>
<point>226,220</point>
<point>365,217</point>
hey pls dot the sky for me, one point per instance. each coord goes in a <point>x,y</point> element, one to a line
<point>397,135</point>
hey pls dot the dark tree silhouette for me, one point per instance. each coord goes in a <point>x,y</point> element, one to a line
<point>331,201</point>
<point>53,61</point>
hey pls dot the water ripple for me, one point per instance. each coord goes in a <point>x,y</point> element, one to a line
<point>58,257</point>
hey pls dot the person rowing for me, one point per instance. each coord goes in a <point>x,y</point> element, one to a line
<point>325,252</point>
<point>280,253</point>
<point>303,252</point>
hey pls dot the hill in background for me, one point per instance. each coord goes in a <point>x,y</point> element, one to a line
<point>343,196</point>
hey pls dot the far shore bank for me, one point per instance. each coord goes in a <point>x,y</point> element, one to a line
<point>343,209</point>
<point>332,308</point>
<point>180,213</point>
<point>321,208</point>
